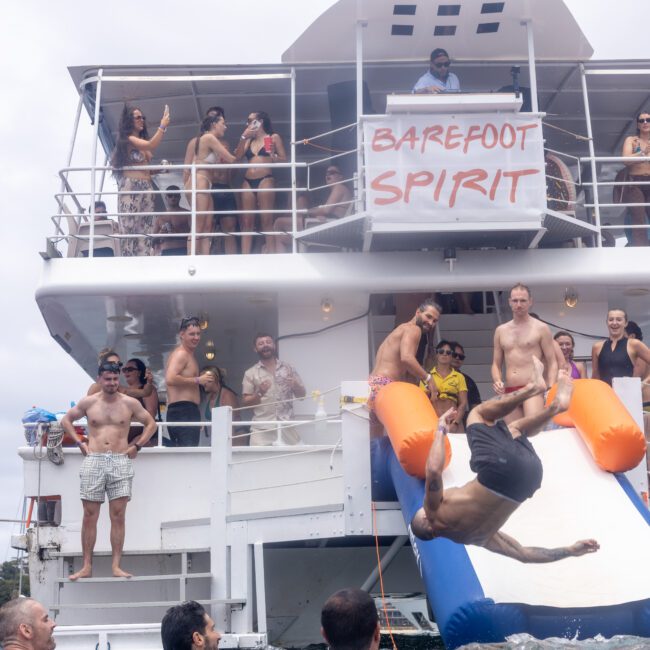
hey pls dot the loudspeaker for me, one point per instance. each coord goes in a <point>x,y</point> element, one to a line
<point>527,105</point>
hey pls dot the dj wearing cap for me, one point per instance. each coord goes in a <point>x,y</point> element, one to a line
<point>438,79</point>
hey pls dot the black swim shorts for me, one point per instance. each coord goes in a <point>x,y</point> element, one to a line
<point>184,412</point>
<point>505,465</point>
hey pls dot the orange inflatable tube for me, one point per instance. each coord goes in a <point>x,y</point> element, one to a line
<point>609,431</point>
<point>409,418</point>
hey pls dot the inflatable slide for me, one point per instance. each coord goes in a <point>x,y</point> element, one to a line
<point>479,596</point>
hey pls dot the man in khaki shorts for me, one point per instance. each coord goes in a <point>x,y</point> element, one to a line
<point>107,467</point>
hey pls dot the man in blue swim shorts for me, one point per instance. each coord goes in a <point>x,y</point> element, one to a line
<point>508,471</point>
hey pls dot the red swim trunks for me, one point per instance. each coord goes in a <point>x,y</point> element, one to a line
<point>512,389</point>
<point>376,383</point>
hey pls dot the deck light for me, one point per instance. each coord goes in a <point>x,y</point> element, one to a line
<point>326,305</point>
<point>570,297</point>
<point>204,322</point>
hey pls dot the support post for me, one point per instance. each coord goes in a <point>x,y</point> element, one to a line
<point>361,24</point>
<point>219,471</point>
<point>532,69</point>
<point>98,98</point>
<point>592,154</point>
<point>294,214</point>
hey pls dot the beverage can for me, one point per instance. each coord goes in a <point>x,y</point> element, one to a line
<point>268,143</point>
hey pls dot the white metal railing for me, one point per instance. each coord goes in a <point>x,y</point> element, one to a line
<point>614,207</point>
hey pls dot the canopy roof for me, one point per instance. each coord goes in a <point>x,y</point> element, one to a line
<point>468,29</point>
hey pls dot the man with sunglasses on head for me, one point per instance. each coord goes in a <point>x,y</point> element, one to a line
<point>107,466</point>
<point>438,79</point>
<point>183,382</point>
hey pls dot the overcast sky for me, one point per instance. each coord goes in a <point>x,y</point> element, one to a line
<point>38,41</point>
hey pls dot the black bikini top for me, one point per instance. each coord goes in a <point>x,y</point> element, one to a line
<point>261,153</point>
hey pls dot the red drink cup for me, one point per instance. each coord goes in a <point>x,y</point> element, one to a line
<point>268,144</point>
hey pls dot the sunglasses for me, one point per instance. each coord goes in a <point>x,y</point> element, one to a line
<point>109,367</point>
<point>189,320</point>
<point>444,64</point>
<point>644,120</point>
<point>444,352</point>
<point>139,117</point>
<point>458,355</point>
<point>129,369</point>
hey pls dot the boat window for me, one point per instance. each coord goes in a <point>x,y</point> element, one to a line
<point>487,28</point>
<point>404,10</point>
<point>444,30</point>
<point>402,30</point>
<point>448,10</point>
<point>492,7</point>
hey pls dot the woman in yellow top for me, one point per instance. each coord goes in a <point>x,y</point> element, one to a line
<point>451,387</point>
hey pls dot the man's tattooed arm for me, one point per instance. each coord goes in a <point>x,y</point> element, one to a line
<point>506,545</point>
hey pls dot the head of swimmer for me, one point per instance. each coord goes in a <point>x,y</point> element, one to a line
<point>439,64</point>
<point>427,315</point>
<point>520,300</point>
<point>616,322</point>
<point>265,346</point>
<point>108,377</point>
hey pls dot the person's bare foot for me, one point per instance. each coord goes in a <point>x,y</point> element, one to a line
<point>120,573</point>
<point>537,376</point>
<point>564,390</point>
<point>84,572</point>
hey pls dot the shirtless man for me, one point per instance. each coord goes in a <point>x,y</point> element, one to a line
<point>107,466</point>
<point>508,472</point>
<point>516,342</point>
<point>183,381</point>
<point>396,355</point>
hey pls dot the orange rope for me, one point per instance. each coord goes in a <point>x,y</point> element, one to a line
<point>381,577</point>
<point>318,146</point>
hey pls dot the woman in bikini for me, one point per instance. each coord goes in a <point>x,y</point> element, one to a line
<point>260,177</point>
<point>638,145</point>
<point>565,341</point>
<point>134,148</point>
<point>213,394</point>
<point>207,150</point>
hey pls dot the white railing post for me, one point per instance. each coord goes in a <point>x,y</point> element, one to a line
<point>220,459</point>
<point>532,70</point>
<point>592,153</point>
<point>98,97</point>
<point>294,215</point>
<point>193,206</point>
<point>361,24</point>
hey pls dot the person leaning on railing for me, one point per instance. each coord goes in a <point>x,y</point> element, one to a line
<point>135,148</point>
<point>637,145</point>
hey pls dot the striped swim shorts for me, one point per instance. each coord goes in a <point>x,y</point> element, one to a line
<point>107,473</point>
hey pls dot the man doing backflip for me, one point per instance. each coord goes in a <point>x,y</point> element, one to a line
<point>508,471</point>
<point>107,466</point>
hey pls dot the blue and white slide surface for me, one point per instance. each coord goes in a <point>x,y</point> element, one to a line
<point>480,596</point>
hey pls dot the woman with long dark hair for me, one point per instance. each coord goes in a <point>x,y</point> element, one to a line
<point>639,172</point>
<point>207,149</point>
<point>135,202</point>
<point>213,394</point>
<point>261,146</point>
<point>135,373</point>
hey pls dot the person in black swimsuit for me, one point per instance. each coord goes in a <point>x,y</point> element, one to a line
<point>253,146</point>
<point>618,356</point>
<point>508,472</point>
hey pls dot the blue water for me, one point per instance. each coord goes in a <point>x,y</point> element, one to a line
<point>522,642</point>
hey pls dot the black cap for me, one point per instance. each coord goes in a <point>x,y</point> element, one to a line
<point>109,366</point>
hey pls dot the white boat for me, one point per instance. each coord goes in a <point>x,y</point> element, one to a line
<point>263,535</point>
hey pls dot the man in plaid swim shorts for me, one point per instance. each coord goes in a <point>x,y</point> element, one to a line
<point>107,468</point>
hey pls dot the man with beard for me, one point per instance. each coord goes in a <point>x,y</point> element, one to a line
<point>188,627</point>
<point>396,356</point>
<point>183,381</point>
<point>270,386</point>
<point>107,466</point>
<point>25,625</point>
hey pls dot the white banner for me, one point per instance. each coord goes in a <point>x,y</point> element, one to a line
<point>482,167</point>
